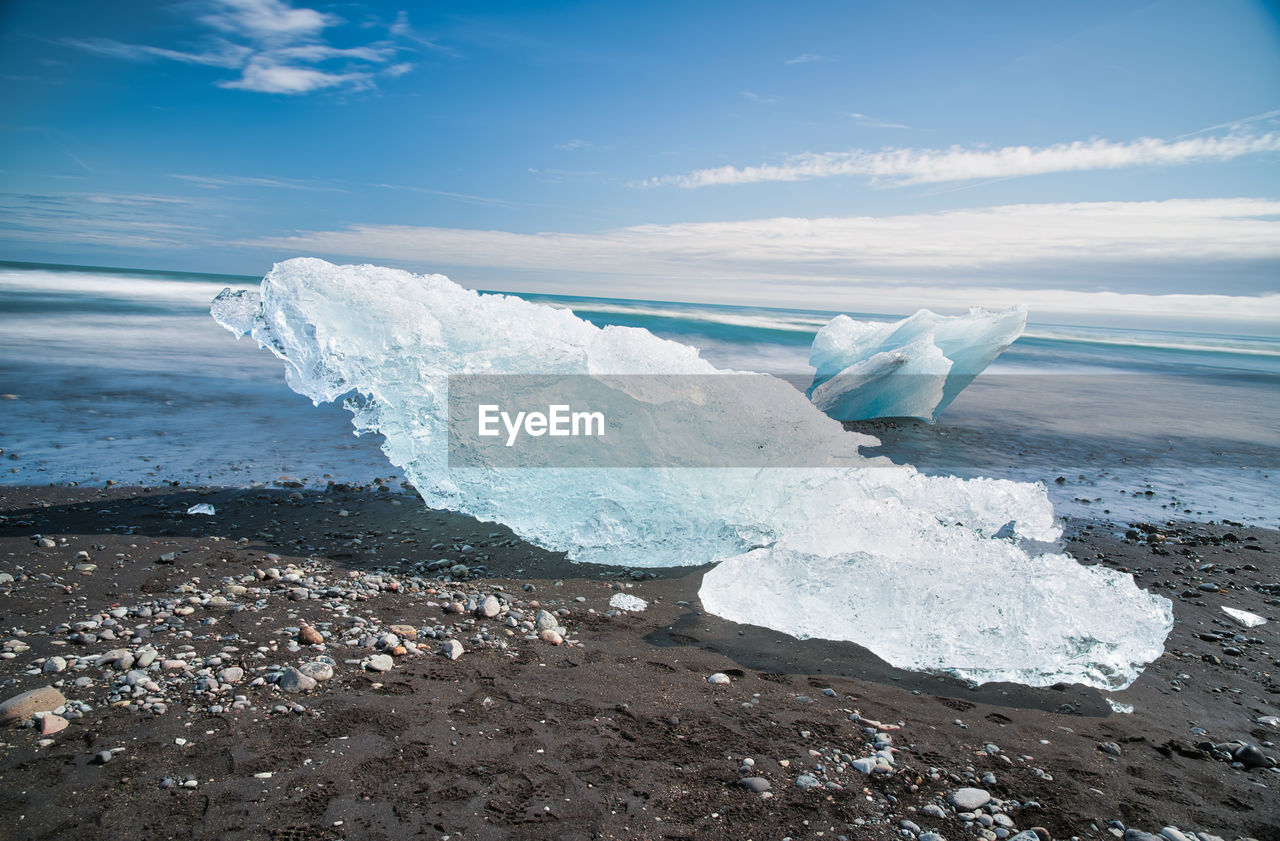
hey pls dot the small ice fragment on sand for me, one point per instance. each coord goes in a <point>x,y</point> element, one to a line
<point>1244,617</point>
<point>201,508</point>
<point>1117,707</point>
<point>626,601</point>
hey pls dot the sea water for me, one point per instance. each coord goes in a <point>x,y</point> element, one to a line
<point>113,374</point>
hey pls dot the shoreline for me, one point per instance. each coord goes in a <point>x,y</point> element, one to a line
<point>613,733</point>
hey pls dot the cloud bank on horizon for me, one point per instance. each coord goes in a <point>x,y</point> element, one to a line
<point>1114,157</point>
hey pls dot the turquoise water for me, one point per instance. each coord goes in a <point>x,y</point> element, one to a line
<point>120,374</point>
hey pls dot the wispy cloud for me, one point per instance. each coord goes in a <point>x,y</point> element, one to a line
<point>872,122</point>
<point>215,182</point>
<point>899,166</point>
<point>755,97</point>
<point>462,197</point>
<point>278,48</point>
<point>218,53</point>
<point>573,145</point>
<point>107,219</point>
<point>402,29</point>
<point>805,58</point>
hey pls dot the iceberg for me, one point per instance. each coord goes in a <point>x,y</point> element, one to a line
<point>912,368</point>
<point>926,572</point>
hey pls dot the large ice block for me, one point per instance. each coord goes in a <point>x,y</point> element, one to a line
<point>386,340</point>
<point>912,368</point>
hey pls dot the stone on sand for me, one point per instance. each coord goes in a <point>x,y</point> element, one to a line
<point>451,649</point>
<point>51,724</point>
<point>295,681</point>
<point>317,670</point>
<point>21,707</point>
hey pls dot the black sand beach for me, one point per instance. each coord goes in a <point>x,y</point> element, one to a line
<point>614,732</point>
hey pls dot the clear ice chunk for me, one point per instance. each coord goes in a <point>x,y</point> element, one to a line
<point>912,368</point>
<point>924,571</point>
<point>1244,617</point>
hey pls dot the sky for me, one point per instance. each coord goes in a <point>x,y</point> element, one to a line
<point>1097,161</point>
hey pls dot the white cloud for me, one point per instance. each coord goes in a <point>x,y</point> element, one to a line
<point>278,48</point>
<point>1081,258</point>
<point>805,58</point>
<point>755,97</point>
<point>268,19</point>
<point>265,75</point>
<point>920,166</point>
<point>872,122</point>
<point>573,145</point>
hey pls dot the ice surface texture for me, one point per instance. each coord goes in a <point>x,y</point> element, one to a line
<point>905,564</point>
<point>912,368</point>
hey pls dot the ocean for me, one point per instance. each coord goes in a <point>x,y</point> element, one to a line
<point>121,375</point>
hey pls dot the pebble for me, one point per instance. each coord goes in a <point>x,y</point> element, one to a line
<point>718,679</point>
<point>1111,748</point>
<point>933,810</point>
<point>489,608</point>
<point>51,724</point>
<point>295,681</point>
<point>968,799</point>
<point>544,621</point>
<point>1250,757</point>
<point>804,782</point>
<point>551,636</point>
<point>308,635</point>
<point>379,663</point>
<point>317,670</point>
<point>452,649</point>
<point>231,674</point>
<point>1132,834</point>
<point>1025,835</point>
<point>759,785</point>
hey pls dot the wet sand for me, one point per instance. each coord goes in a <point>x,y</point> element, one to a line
<point>614,733</point>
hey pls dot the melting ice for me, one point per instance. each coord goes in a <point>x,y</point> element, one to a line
<point>912,368</point>
<point>923,571</point>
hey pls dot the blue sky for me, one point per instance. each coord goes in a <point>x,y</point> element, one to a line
<point>1083,157</point>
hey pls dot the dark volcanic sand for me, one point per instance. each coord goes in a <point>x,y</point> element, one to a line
<point>619,735</point>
